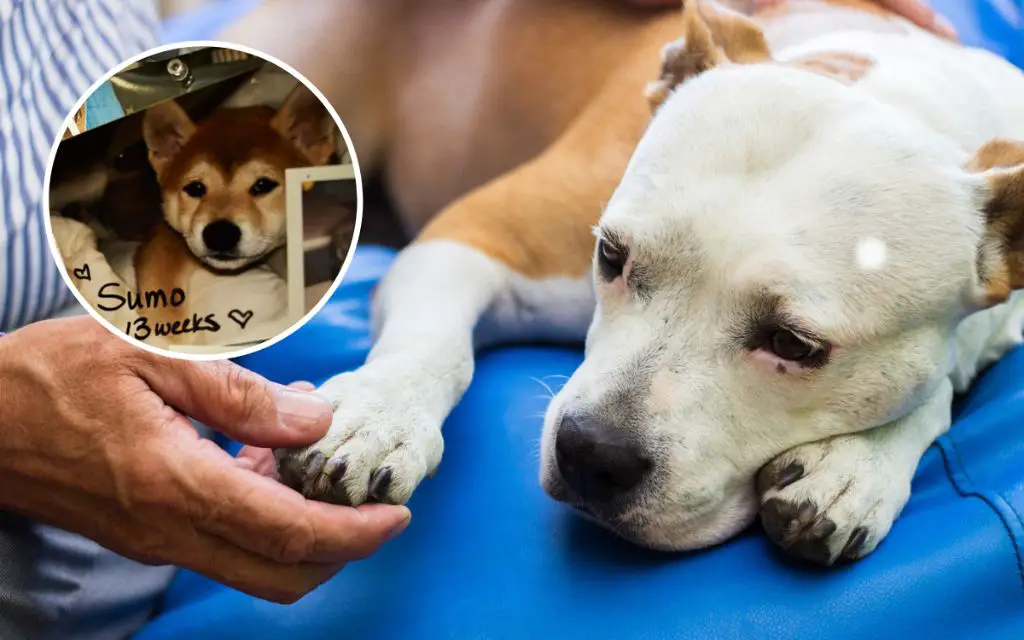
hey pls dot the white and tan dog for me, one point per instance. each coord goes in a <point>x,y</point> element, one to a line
<point>806,252</point>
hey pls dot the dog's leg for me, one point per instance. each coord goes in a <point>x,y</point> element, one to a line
<point>836,500</point>
<point>510,261</point>
<point>440,299</point>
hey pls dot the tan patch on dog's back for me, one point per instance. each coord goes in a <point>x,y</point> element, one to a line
<point>538,218</point>
<point>845,67</point>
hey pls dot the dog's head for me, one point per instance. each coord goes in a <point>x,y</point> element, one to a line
<point>785,260</point>
<point>222,179</point>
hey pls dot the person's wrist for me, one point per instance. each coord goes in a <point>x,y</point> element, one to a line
<point>19,412</point>
<point>8,425</point>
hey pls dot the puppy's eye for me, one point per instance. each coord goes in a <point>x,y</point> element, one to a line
<point>610,260</point>
<point>789,346</point>
<point>195,189</point>
<point>262,187</point>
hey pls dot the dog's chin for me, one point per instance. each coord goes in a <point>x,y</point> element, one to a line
<point>230,264</point>
<point>670,528</point>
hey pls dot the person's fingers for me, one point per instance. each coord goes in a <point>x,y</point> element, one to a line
<point>257,460</point>
<point>364,529</point>
<point>270,519</point>
<point>302,385</point>
<point>922,15</point>
<point>915,11</point>
<point>655,3</point>
<point>250,573</point>
<point>238,402</point>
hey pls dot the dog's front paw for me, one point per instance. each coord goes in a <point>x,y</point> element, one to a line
<point>381,444</point>
<point>72,238</point>
<point>833,500</point>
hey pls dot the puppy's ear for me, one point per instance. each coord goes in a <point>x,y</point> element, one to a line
<point>712,36</point>
<point>305,122</point>
<point>165,128</point>
<point>1001,259</point>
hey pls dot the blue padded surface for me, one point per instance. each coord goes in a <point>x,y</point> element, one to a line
<point>488,555</point>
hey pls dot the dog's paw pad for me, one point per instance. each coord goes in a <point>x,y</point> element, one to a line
<point>799,529</point>
<point>830,502</point>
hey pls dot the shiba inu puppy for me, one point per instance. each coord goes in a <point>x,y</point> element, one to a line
<point>201,276</point>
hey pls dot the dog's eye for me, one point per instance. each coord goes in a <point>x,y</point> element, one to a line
<point>610,260</point>
<point>789,346</point>
<point>262,187</point>
<point>195,189</point>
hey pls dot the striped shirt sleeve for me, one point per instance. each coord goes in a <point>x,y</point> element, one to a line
<point>51,52</point>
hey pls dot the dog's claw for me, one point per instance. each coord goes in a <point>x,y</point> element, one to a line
<point>336,467</point>
<point>379,482</point>
<point>855,544</point>
<point>789,475</point>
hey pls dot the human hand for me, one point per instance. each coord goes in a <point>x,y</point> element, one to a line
<point>916,11</point>
<point>94,439</point>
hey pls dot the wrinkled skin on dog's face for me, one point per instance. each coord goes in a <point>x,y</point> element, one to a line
<point>784,261</point>
<point>222,179</point>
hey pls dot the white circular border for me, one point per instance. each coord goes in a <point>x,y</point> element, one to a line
<point>202,357</point>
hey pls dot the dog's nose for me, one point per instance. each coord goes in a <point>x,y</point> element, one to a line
<point>596,461</point>
<point>221,236</point>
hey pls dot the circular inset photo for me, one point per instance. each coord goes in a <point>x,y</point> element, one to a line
<point>204,200</point>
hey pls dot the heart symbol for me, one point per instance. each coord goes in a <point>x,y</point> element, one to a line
<point>240,317</point>
<point>82,274</point>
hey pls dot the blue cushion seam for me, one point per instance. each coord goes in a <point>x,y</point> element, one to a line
<point>966,487</point>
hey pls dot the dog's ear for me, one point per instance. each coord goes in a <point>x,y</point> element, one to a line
<point>165,128</point>
<point>1001,259</point>
<point>712,36</point>
<point>305,122</point>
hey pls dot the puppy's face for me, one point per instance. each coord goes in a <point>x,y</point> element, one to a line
<point>222,180</point>
<point>784,261</point>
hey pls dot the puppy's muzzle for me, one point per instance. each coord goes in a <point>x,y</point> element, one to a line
<point>221,237</point>
<point>598,463</point>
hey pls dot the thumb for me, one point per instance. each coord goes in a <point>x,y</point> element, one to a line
<point>238,402</point>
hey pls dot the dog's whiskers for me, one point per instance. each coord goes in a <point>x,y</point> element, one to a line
<point>547,388</point>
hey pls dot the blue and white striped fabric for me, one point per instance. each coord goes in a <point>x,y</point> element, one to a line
<point>51,52</point>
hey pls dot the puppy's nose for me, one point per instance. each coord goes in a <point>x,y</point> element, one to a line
<point>221,236</point>
<point>596,461</point>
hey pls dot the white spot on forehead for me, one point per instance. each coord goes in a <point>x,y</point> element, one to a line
<point>871,254</point>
